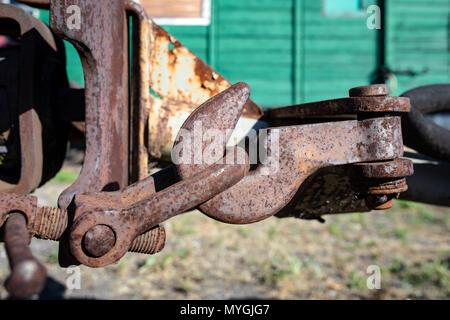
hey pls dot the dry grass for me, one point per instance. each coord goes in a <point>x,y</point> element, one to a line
<point>279,259</point>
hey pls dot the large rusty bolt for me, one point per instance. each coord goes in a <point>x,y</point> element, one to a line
<point>371,91</point>
<point>374,90</point>
<point>380,182</point>
<point>379,196</point>
<point>380,190</point>
<point>99,240</point>
<point>51,223</point>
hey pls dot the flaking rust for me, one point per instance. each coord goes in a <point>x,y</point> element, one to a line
<point>179,82</point>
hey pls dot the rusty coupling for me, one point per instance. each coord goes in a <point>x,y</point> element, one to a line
<point>105,225</point>
<point>115,207</point>
<point>101,227</point>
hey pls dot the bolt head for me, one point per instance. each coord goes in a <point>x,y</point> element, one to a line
<point>373,90</point>
<point>99,240</point>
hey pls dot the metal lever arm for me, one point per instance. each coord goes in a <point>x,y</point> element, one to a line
<point>296,152</point>
<point>28,275</point>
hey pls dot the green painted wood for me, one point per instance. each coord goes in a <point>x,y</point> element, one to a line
<point>339,53</point>
<point>255,44</point>
<point>290,52</point>
<point>418,41</point>
<point>212,37</point>
<point>298,54</point>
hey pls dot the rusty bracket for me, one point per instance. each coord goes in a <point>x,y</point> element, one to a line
<point>103,48</point>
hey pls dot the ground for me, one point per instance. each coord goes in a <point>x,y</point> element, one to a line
<point>273,259</point>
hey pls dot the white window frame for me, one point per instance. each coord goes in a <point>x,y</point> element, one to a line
<point>204,20</point>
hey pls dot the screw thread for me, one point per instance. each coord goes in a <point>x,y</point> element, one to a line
<point>52,223</point>
<point>150,242</point>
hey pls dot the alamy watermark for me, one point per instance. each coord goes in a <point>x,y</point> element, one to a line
<point>73,281</point>
<point>374,17</point>
<point>73,18</point>
<point>374,280</point>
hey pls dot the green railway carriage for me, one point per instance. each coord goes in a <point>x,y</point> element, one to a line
<point>295,51</point>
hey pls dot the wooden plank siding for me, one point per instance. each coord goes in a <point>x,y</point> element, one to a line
<point>287,51</point>
<point>250,41</point>
<point>338,53</point>
<point>418,40</point>
<point>290,52</point>
<point>173,8</point>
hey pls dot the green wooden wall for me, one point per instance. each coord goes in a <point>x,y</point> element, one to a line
<point>294,51</point>
<point>418,39</point>
<point>337,53</point>
<point>287,50</point>
<point>250,41</point>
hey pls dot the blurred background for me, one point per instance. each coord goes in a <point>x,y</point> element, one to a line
<point>296,51</point>
<point>289,52</point>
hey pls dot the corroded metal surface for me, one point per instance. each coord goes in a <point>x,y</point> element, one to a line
<point>50,223</point>
<point>386,169</point>
<point>352,105</point>
<point>327,191</point>
<point>42,222</point>
<point>220,113</point>
<point>10,202</point>
<point>369,91</point>
<point>32,75</point>
<point>381,181</point>
<point>355,163</point>
<point>338,189</point>
<point>28,275</point>
<point>132,221</point>
<point>180,81</point>
<point>103,48</point>
<point>303,150</point>
<point>140,92</point>
<point>215,120</point>
<point>263,192</point>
